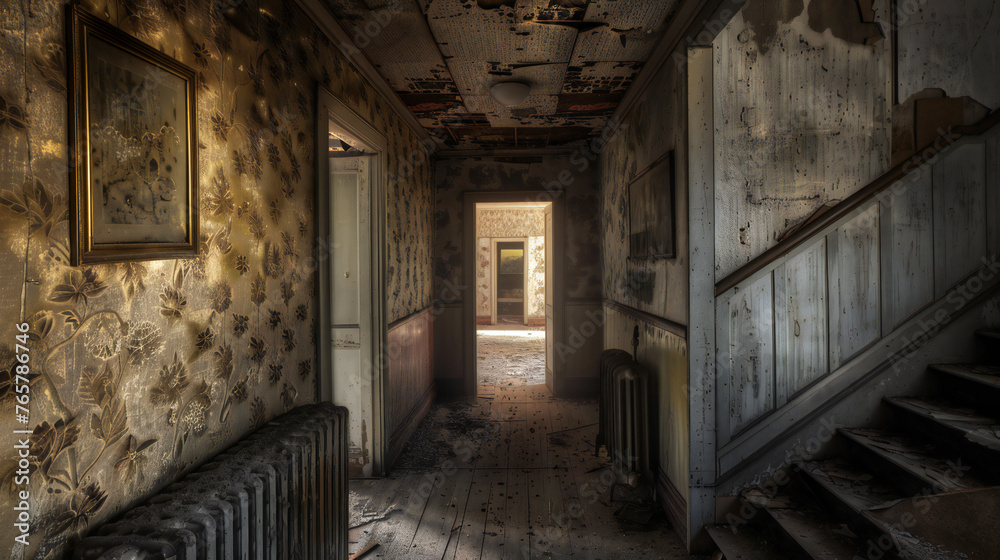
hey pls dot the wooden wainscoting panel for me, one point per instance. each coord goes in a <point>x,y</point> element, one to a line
<point>409,377</point>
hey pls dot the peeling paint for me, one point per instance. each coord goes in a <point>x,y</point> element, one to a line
<point>562,48</point>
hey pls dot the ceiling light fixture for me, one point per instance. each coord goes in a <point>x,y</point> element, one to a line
<point>510,94</point>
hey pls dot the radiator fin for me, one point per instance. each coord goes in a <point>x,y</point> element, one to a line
<point>627,410</point>
<point>279,494</point>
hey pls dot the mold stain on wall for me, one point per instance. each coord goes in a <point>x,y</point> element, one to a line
<point>803,119</point>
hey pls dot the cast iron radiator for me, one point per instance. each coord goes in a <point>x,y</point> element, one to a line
<point>278,494</point>
<point>627,408</point>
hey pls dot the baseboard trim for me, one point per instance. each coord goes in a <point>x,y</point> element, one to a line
<point>673,503</point>
<point>878,359</point>
<point>399,438</point>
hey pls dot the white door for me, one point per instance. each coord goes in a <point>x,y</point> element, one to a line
<point>350,313</point>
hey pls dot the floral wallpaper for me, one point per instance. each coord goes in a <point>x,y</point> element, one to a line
<point>536,276</point>
<point>484,277</point>
<point>535,296</point>
<point>513,222</point>
<point>140,371</point>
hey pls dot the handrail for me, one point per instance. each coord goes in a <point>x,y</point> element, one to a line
<point>854,201</point>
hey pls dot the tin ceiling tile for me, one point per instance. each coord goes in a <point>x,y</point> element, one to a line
<point>476,77</point>
<point>600,77</point>
<point>468,32</point>
<point>442,57</point>
<point>632,31</point>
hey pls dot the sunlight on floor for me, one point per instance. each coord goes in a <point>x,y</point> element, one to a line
<point>510,358</point>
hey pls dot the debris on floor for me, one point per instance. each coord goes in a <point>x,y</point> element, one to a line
<point>510,358</point>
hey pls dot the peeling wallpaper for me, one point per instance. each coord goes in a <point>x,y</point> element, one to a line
<point>143,370</point>
<point>484,278</point>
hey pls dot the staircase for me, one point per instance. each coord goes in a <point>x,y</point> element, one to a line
<point>924,484</point>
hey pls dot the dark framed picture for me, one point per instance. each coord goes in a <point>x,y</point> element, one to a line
<point>651,211</point>
<point>133,138</point>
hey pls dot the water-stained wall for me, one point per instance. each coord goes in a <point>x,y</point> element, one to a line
<point>143,370</point>
<point>650,294</point>
<point>951,46</point>
<point>802,107</point>
<point>655,128</point>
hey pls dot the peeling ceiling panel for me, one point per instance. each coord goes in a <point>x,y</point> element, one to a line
<point>601,77</point>
<point>578,105</point>
<point>476,77</point>
<point>523,137</point>
<point>467,32</point>
<point>443,56</point>
<point>435,110</point>
<point>538,104</point>
<point>632,31</point>
<point>531,112</point>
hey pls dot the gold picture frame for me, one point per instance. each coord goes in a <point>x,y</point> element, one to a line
<point>133,147</point>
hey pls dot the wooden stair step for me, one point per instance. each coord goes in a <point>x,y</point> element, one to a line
<point>855,488</point>
<point>746,543</point>
<point>983,375</point>
<point>809,534</point>
<point>913,460</point>
<point>850,493</point>
<point>975,428</point>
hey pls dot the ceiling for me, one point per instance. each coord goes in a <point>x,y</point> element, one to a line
<point>442,56</point>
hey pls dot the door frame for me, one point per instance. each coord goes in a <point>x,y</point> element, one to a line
<point>330,108</point>
<point>469,201</point>
<point>493,270</point>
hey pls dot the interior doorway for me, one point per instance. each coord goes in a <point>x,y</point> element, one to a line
<point>512,271</point>
<point>350,269</point>
<point>511,276</point>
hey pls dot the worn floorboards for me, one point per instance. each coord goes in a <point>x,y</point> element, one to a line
<point>510,475</point>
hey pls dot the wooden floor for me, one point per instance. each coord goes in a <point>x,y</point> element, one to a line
<point>511,475</point>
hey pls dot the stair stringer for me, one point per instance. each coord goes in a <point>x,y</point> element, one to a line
<point>805,428</point>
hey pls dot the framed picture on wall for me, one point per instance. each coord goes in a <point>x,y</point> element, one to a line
<point>651,211</point>
<point>133,158</point>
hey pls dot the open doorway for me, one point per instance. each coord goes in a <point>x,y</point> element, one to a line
<point>351,334</point>
<point>512,261</point>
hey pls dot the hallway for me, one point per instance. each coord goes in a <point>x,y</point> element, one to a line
<point>512,475</point>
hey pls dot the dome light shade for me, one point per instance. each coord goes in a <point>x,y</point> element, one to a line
<point>510,94</point>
